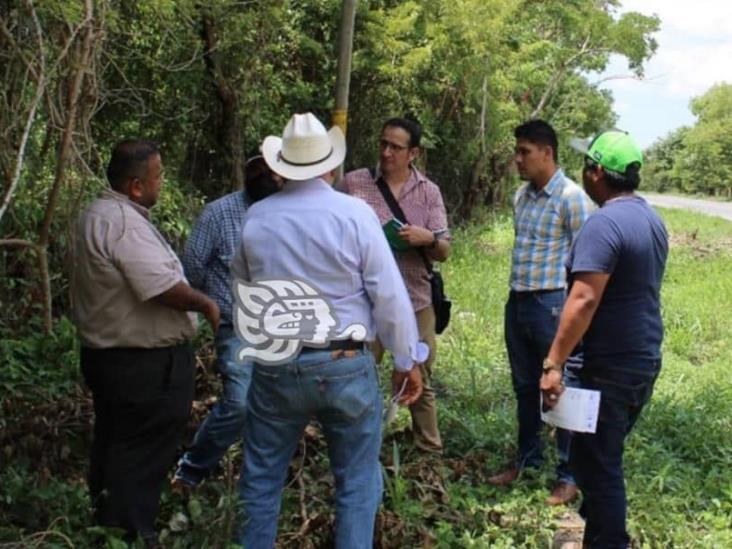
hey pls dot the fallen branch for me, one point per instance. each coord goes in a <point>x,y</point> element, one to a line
<point>303,508</point>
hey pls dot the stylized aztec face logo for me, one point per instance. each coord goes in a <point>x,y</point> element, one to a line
<point>275,318</point>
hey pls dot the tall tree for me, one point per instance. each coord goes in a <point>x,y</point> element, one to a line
<point>704,164</point>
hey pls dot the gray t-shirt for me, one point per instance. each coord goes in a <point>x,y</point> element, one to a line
<point>627,239</point>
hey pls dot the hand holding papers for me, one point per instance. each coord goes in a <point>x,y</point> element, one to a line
<point>576,410</point>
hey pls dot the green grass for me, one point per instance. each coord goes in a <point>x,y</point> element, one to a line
<point>678,459</point>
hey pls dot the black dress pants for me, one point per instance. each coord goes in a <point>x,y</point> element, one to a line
<point>142,400</point>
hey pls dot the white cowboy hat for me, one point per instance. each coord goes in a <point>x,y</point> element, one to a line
<point>305,149</point>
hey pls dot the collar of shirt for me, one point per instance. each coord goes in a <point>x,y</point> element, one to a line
<point>245,198</point>
<point>413,181</point>
<point>549,188</point>
<point>114,195</point>
<point>299,186</point>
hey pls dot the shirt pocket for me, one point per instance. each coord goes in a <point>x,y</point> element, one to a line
<point>547,224</point>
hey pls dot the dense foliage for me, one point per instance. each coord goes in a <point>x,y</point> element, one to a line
<point>209,79</point>
<point>697,159</point>
<point>678,459</point>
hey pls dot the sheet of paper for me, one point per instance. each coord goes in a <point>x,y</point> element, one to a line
<point>576,410</point>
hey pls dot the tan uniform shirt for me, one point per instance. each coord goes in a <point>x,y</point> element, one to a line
<point>120,262</point>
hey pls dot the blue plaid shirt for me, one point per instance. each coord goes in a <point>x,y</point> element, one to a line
<point>211,246</point>
<point>545,224</point>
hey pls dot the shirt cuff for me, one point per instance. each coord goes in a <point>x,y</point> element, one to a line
<point>419,355</point>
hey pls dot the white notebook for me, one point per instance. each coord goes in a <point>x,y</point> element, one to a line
<point>576,410</point>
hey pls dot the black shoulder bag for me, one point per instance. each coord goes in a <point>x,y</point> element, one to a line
<point>440,301</point>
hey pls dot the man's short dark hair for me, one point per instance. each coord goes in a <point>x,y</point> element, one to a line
<point>539,132</point>
<point>412,127</point>
<point>258,182</point>
<point>129,159</point>
<point>624,182</point>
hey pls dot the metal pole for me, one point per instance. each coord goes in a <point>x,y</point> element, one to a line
<point>343,79</point>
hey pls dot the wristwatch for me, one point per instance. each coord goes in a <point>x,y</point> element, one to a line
<point>434,241</point>
<point>549,365</point>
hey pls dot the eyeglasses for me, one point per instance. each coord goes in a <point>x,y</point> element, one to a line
<point>384,145</point>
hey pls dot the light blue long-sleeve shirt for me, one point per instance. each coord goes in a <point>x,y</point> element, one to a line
<point>310,232</point>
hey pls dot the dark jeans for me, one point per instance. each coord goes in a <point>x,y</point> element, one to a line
<point>224,426</point>
<point>531,321</point>
<point>597,459</point>
<point>142,399</point>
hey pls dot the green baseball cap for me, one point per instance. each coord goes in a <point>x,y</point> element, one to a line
<point>613,150</point>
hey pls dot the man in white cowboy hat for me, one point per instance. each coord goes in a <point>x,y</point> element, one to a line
<point>310,233</point>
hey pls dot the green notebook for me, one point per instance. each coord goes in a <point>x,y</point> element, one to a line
<point>391,230</point>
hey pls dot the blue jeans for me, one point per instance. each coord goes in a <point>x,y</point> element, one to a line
<point>597,459</point>
<point>225,424</point>
<point>531,321</point>
<point>344,396</point>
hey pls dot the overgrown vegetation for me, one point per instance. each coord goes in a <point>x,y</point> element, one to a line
<point>208,80</point>
<point>678,460</point>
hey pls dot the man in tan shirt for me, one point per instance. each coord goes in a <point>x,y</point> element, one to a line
<point>130,301</point>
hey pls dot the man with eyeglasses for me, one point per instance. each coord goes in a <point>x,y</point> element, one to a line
<point>549,210</point>
<point>425,233</point>
<point>615,266</point>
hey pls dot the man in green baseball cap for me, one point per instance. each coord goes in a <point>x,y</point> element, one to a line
<point>619,158</point>
<point>615,268</point>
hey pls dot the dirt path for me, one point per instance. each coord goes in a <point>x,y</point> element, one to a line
<point>708,207</point>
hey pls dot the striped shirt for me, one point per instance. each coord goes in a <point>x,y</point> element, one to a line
<point>546,221</point>
<point>211,246</point>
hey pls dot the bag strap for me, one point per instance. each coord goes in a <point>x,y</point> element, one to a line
<point>391,201</point>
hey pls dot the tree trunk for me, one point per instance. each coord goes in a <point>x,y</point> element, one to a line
<point>343,80</point>
<point>475,190</point>
<point>64,152</point>
<point>228,133</point>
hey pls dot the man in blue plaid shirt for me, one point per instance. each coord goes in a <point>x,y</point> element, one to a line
<point>206,262</point>
<point>549,210</point>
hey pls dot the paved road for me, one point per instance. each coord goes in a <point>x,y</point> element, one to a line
<point>709,207</point>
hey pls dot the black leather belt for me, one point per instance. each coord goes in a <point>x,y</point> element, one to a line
<point>338,345</point>
<point>523,293</point>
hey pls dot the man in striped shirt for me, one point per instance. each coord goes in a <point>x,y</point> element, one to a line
<point>549,210</point>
